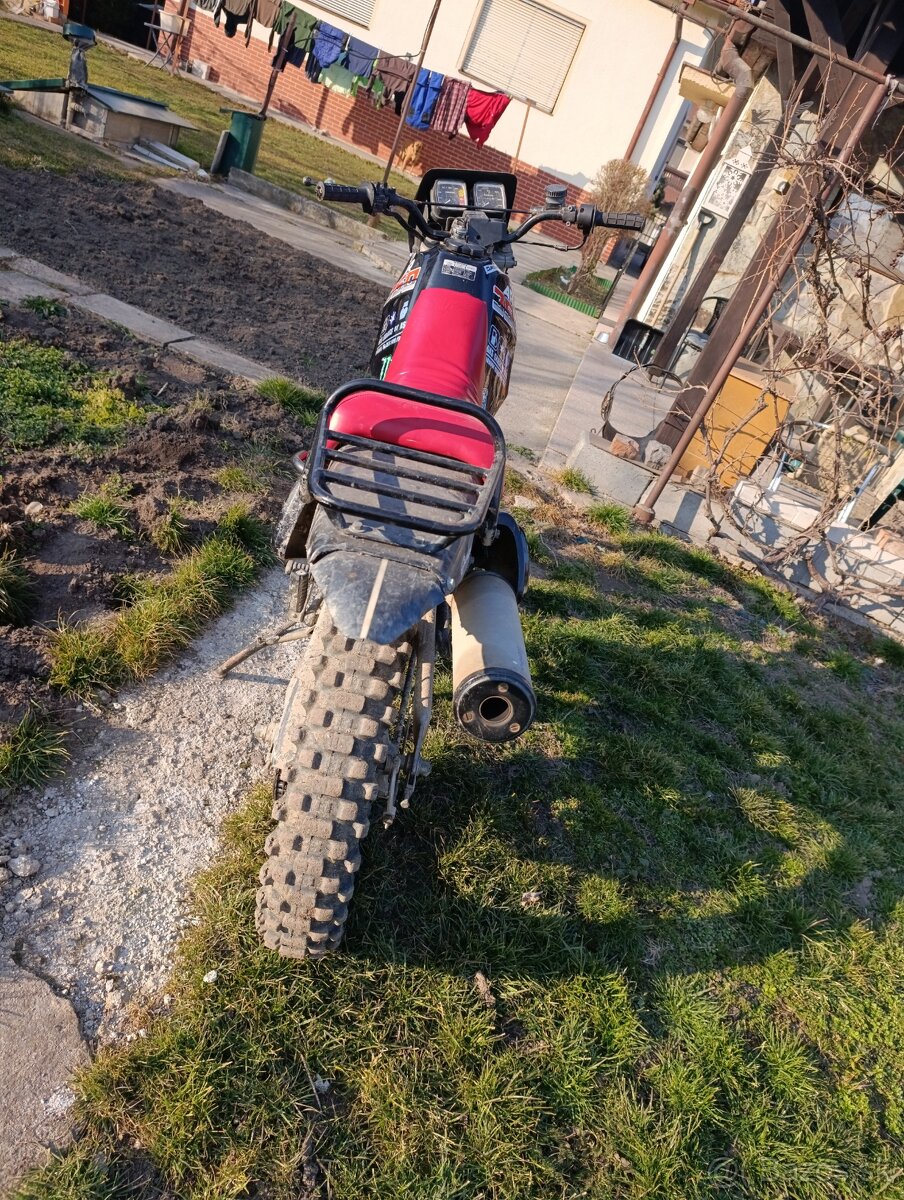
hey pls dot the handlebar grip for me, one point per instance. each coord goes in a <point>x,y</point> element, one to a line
<point>343,193</point>
<point>632,221</point>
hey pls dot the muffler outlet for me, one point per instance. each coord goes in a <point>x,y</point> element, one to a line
<point>492,692</point>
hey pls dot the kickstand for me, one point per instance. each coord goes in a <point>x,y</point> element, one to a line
<point>286,633</point>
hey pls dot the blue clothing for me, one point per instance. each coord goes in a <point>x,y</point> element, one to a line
<point>328,44</point>
<point>423,101</point>
<point>361,57</point>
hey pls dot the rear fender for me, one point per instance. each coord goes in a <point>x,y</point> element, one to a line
<point>376,588</point>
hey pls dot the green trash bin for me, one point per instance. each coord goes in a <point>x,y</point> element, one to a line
<point>243,142</point>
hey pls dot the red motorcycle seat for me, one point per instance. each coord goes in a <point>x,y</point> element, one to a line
<point>442,350</point>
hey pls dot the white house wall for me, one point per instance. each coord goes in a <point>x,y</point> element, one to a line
<point>611,77</point>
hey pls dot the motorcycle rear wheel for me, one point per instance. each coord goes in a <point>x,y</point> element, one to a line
<point>330,750</point>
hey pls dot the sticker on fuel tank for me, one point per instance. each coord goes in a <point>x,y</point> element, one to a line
<point>502,303</point>
<point>459,269</point>
<point>406,282</point>
<point>499,356</point>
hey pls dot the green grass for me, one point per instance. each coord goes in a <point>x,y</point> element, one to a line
<point>302,402</point>
<point>575,481</point>
<point>704,1003</point>
<point>32,751</point>
<point>105,508</point>
<point>44,306</point>
<point>171,533</point>
<point>46,399</point>
<point>614,518</point>
<point>17,591</point>
<point>160,615</point>
<point>287,155</point>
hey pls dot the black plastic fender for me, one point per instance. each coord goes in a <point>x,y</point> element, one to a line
<point>507,555</point>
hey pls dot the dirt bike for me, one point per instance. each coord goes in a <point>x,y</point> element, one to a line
<point>394,538</point>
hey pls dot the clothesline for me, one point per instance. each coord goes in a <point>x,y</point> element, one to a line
<point>349,66</point>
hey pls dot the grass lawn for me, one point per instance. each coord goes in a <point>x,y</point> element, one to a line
<point>286,156</point>
<point>703,999</point>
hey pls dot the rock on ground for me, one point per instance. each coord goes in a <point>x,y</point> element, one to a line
<point>137,816</point>
<point>40,1049</point>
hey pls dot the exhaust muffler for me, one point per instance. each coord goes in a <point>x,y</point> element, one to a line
<point>492,693</point>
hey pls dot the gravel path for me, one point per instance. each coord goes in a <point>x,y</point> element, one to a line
<point>137,816</point>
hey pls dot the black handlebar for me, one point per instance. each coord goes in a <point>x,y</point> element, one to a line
<point>632,221</point>
<point>346,195</point>
<point>378,198</point>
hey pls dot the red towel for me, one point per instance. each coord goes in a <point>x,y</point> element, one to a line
<point>483,111</point>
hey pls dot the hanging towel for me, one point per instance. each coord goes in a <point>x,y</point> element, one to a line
<point>339,79</point>
<point>267,12</point>
<point>450,107</point>
<point>483,111</point>
<point>329,43</point>
<point>397,75</point>
<point>305,26</point>
<point>424,98</point>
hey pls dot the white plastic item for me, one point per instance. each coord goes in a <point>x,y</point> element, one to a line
<point>51,10</point>
<point>171,22</point>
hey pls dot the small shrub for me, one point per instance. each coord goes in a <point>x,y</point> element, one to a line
<point>575,480</point>
<point>611,517</point>
<point>104,508</point>
<point>889,651</point>
<point>33,752</point>
<point>170,535</point>
<point>82,659</point>
<point>845,666</point>
<point>44,306</point>
<point>17,593</point>
<point>302,402</point>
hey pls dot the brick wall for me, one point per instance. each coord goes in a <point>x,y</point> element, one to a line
<point>246,70</point>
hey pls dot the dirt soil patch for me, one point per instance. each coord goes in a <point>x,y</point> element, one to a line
<point>179,260</point>
<point>197,422</point>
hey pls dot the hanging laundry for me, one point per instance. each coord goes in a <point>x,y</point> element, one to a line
<point>424,98</point>
<point>305,26</point>
<point>313,67</point>
<point>397,75</point>
<point>238,12</point>
<point>361,58</point>
<point>450,107</point>
<point>267,12</point>
<point>483,111</point>
<point>329,43</point>
<point>339,79</point>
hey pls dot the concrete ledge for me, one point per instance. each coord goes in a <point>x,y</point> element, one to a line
<point>136,320</point>
<point>37,270</point>
<point>313,210</point>
<point>618,479</point>
<point>213,355</point>
<point>16,287</point>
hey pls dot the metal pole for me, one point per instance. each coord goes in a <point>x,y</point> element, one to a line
<point>409,95</point>
<point>644,510</point>
<point>732,62</point>
<point>528,106</point>
<point>654,91</point>
<point>279,62</point>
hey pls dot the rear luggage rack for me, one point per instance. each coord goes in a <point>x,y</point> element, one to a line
<point>416,489</point>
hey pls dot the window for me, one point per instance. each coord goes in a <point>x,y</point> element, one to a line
<point>359,11</point>
<point>522,48</point>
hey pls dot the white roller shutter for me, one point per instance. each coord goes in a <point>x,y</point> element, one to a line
<point>359,11</point>
<point>522,48</point>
